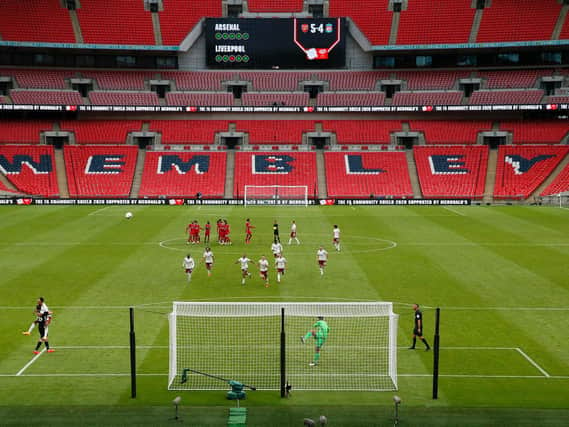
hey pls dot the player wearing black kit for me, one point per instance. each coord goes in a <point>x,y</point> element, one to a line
<point>276,236</point>
<point>418,328</point>
<point>44,319</point>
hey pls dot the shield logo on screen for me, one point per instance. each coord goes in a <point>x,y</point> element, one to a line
<point>304,28</point>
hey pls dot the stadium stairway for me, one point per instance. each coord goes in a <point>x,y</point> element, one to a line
<point>550,178</point>
<point>321,174</point>
<point>560,22</point>
<point>229,172</point>
<point>413,174</point>
<point>156,28</point>
<point>5,182</point>
<point>76,26</point>
<point>396,16</point>
<point>138,173</point>
<point>61,175</point>
<point>490,176</point>
<point>475,26</point>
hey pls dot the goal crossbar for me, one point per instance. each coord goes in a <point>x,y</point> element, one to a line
<point>242,341</point>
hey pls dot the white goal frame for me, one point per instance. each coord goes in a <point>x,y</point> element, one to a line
<point>285,195</point>
<point>247,340</point>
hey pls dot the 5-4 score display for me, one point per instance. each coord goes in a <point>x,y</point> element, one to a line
<point>275,43</point>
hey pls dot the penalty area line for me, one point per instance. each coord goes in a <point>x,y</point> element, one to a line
<point>533,362</point>
<point>27,365</point>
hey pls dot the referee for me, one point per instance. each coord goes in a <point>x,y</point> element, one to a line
<point>418,328</point>
<point>276,237</point>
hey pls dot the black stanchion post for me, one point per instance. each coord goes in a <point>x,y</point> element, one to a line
<point>436,356</point>
<point>283,354</point>
<point>132,356</point>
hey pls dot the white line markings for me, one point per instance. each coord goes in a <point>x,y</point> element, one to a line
<point>94,213</point>
<point>27,365</point>
<point>453,211</point>
<point>533,362</point>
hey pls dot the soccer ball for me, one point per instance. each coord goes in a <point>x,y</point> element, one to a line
<point>128,215</point>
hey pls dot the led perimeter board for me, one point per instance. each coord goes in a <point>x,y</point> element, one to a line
<point>270,43</point>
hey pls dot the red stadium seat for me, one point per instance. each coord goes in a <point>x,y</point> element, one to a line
<point>371,16</point>
<point>123,98</point>
<point>486,97</point>
<point>521,169</point>
<point>357,174</point>
<point>350,98</point>
<point>30,168</point>
<point>115,22</point>
<point>538,132</point>
<point>171,173</point>
<point>46,21</point>
<point>101,131</point>
<point>518,20</point>
<point>199,98</point>
<point>452,171</point>
<point>100,171</point>
<point>440,22</point>
<point>280,168</point>
<point>275,131</point>
<point>362,131</point>
<point>46,97</point>
<point>24,131</point>
<point>450,131</point>
<point>427,98</point>
<point>282,6</point>
<point>559,185</point>
<point>266,99</point>
<point>179,17</point>
<point>188,131</point>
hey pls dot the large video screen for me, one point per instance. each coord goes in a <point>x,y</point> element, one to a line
<point>271,43</point>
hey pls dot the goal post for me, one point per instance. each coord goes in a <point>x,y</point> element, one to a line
<point>296,195</point>
<point>255,343</point>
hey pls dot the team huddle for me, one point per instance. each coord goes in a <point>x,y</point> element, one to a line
<point>263,264</point>
<point>42,320</point>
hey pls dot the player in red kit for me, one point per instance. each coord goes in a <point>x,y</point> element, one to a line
<point>248,231</point>
<point>197,230</point>
<point>226,233</point>
<point>207,232</point>
<point>189,230</point>
<point>218,225</point>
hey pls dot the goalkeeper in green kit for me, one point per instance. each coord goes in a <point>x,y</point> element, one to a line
<point>319,333</point>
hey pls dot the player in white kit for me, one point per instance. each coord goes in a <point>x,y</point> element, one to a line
<point>276,248</point>
<point>293,234</point>
<point>336,240</point>
<point>280,264</point>
<point>208,259</point>
<point>322,257</point>
<point>244,261</point>
<point>264,270</point>
<point>189,264</point>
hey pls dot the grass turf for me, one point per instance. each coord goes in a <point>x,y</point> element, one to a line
<point>499,275</point>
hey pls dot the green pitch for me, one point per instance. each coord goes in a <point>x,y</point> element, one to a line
<point>499,274</point>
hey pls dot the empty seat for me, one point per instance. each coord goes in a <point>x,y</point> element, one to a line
<point>451,172</point>
<point>30,168</point>
<point>96,171</point>
<point>101,131</point>
<point>183,174</point>
<point>275,168</point>
<point>520,170</point>
<point>46,97</point>
<point>360,174</point>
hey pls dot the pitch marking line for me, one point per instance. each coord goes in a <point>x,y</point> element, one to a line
<point>94,213</point>
<point>36,357</point>
<point>453,211</point>
<point>533,362</point>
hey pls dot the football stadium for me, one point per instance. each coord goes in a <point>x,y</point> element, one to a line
<point>284,212</point>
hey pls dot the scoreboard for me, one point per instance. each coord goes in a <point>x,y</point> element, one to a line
<point>270,43</point>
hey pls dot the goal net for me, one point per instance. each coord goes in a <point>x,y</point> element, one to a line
<point>276,195</point>
<point>242,342</point>
<point>559,199</point>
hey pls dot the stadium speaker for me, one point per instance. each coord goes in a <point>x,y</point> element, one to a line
<point>71,4</point>
<point>154,7</point>
<point>480,4</point>
<point>397,5</point>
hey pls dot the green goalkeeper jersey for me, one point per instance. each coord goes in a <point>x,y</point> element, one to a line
<point>322,329</point>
